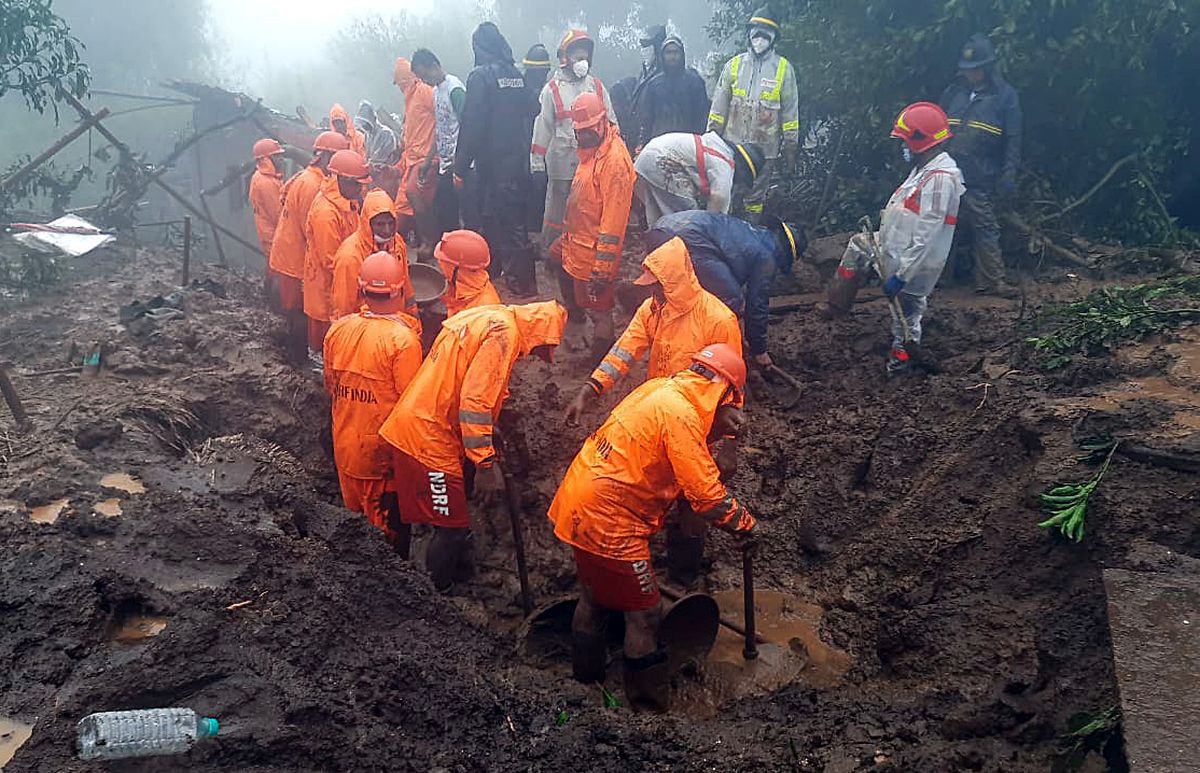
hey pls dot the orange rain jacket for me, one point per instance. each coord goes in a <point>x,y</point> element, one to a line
<point>420,129</point>
<point>467,288</point>
<point>448,410</point>
<point>598,210</point>
<point>331,219</point>
<point>369,360</point>
<point>691,319</point>
<point>358,143</point>
<point>266,188</point>
<point>348,260</point>
<point>653,448</point>
<point>287,251</point>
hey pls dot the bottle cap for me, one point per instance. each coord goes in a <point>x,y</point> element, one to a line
<point>207,727</point>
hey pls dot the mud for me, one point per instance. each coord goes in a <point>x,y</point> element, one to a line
<point>942,630</point>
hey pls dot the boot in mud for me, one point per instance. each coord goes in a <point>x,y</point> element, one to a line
<point>921,359</point>
<point>685,557</point>
<point>444,557</point>
<point>589,657</point>
<point>840,295</point>
<point>297,338</point>
<point>899,361</point>
<point>648,682</point>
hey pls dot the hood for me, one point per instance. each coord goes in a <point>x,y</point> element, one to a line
<point>382,147</point>
<point>705,395</point>
<point>539,323</point>
<point>265,166</point>
<point>376,202</point>
<point>464,284</point>
<point>337,111</point>
<point>329,189</point>
<point>365,119</point>
<point>679,42</point>
<point>403,76</point>
<point>672,266</point>
<point>489,46</point>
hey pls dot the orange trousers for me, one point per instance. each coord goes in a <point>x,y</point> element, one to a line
<point>375,499</point>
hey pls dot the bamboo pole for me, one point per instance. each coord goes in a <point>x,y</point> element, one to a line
<point>53,150</point>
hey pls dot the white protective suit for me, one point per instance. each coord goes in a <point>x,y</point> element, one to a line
<point>670,177</point>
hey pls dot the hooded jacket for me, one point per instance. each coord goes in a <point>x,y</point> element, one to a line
<point>598,210</point>
<point>467,288</point>
<point>369,360</point>
<point>986,123</point>
<point>757,101</point>
<point>420,128</point>
<point>356,248</point>
<point>672,332</point>
<point>497,113</point>
<point>331,219</point>
<point>673,100</point>
<point>916,229</point>
<point>266,187</point>
<point>289,245</point>
<point>651,450</point>
<point>449,408</point>
<point>554,132</point>
<point>734,261</point>
<point>358,143</point>
<point>672,163</point>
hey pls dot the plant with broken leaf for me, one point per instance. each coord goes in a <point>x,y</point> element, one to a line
<point>1067,504</point>
<point>1114,315</point>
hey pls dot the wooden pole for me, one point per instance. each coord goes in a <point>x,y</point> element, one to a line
<point>53,150</point>
<point>187,248</point>
<point>14,402</point>
<point>216,236</point>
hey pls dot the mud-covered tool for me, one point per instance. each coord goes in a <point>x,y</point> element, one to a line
<point>787,378</point>
<point>750,649</point>
<point>513,500</point>
<point>676,595</point>
<point>868,232</point>
<point>688,629</point>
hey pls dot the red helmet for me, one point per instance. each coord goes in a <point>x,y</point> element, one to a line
<point>331,141</point>
<point>465,249</point>
<point>570,39</point>
<point>588,110</point>
<point>724,360</point>
<point>349,163</point>
<point>922,125</point>
<point>267,147</point>
<point>381,275</point>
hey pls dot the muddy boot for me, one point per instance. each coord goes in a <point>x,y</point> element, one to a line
<point>648,682</point>
<point>297,338</point>
<point>899,361</point>
<point>589,657</point>
<point>444,556</point>
<point>921,359</point>
<point>840,295</point>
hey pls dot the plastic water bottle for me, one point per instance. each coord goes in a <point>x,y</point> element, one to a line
<point>110,735</point>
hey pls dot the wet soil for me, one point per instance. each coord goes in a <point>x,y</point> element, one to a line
<point>936,628</point>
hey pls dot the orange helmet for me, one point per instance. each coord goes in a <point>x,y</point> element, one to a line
<point>723,360</point>
<point>331,141</point>
<point>267,147</point>
<point>381,276</point>
<point>570,39</point>
<point>465,249</point>
<point>588,110</point>
<point>922,125</point>
<point>349,163</point>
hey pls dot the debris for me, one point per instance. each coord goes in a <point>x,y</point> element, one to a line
<point>69,234</point>
<point>1068,503</point>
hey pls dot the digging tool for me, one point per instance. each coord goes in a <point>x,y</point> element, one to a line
<point>790,380</point>
<point>898,317</point>
<point>513,500</point>
<point>750,649</point>
<point>676,595</point>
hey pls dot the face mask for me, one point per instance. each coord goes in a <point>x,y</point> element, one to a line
<point>580,68</point>
<point>907,153</point>
<point>380,240</point>
<point>648,55</point>
<point>759,44</point>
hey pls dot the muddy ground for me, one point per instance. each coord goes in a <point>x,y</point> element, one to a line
<point>953,633</point>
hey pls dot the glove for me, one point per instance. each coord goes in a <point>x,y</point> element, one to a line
<point>893,286</point>
<point>1007,184</point>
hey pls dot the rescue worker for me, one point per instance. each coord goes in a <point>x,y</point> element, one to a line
<point>756,101</point>
<point>675,99</point>
<point>463,257</point>
<point>597,214</point>
<point>449,98</point>
<point>553,134</point>
<point>376,233</point>
<point>985,115</point>
<point>442,429</point>
<point>266,188</point>
<point>380,141</point>
<point>339,121</point>
<point>494,142</point>
<point>615,496</point>
<point>677,172</point>
<point>915,232</point>
<point>536,73</point>
<point>289,246</point>
<point>370,357</point>
<point>331,219</point>
<point>737,262</point>
<point>420,152</point>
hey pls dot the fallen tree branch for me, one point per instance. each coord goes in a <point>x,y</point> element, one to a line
<point>1033,232</point>
<point>1091,191</point>
<point>53,150</point>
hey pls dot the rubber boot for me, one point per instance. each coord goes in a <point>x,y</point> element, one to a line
<point>589,657</point>
<point>297,338</point>
<point>648,682</point>
<point>899,362</point>
<point>840,295</point>
<point>445,556</point>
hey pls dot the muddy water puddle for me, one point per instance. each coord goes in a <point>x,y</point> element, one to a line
<point>135,628</point>
<point>109,508</point>
<point>48,513</point>
<point>12,735</point>
<point>123,481</point>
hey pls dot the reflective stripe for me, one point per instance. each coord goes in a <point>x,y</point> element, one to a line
<point>764,21</point>
<point>718,510</point>
<point>734,69</point>
<point>537,150</point>
<point>475,417</point>
<point>954,121</point>
<point>560,112</point>
<point>715,118</point>
<point>951,219</point>
<point>609,370</point>
<point>621,354</point>
<point>754,207</point>
<point>746,157</point>
<point>607,257</point>
<point>608,239</point>
<point>701,167</point>
<point>846,273</point>
<point>780,71</point>
<point>791,125</point>
<point>987,127</point>
<point>477,441</point>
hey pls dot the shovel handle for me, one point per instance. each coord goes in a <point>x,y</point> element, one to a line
<point>513,500</point>
<point>750,649</point>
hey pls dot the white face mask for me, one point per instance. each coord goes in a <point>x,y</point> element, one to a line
<point>907,153</point>
<point>380,240</point>
<point>580,68</point>
<point>759,45</point>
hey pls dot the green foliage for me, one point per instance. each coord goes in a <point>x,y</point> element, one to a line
<point>1067,504</point>
<point>1098,80</point>
<point>1113,315</point>
<point>1087,733</point>
<point>38,55</point>
<point>47,182</point>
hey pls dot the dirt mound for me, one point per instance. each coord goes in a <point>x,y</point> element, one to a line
<point>231,581</point>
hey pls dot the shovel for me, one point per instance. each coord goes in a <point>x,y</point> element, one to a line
<point>750,649</point>
<point>787,378</point>
<point>513,500</point>
<point>877,258</point>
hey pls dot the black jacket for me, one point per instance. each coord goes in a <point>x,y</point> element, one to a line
<point>495,127</point>
<point>987,131</point>
<point>672,101</point>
